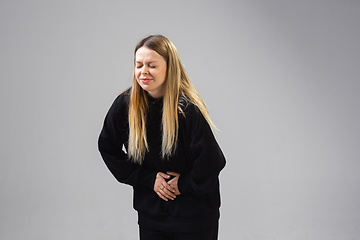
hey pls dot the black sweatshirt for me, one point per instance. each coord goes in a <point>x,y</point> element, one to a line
<point>197,158</point>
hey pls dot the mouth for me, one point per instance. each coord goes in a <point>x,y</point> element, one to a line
<point>145,80</point>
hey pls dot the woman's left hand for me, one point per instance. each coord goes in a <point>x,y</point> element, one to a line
<point>174,182</point>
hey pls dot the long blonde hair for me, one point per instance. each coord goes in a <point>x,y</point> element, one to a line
<point>176,85</point>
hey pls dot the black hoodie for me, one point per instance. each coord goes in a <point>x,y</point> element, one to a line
<point>198,158</point>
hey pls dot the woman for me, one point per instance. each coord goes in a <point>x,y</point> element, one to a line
<point>171,157</point>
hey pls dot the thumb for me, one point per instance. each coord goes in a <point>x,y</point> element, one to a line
<point>175,174</point>
<point>163,175</point>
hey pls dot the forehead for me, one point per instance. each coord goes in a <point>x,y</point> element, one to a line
<point>145,54</point>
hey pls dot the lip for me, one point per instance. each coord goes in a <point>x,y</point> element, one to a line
<point>145,80</point>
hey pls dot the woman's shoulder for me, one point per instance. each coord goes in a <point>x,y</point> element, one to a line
<point>188,109</point>
<point>123,98</point>
<point>121,102</point>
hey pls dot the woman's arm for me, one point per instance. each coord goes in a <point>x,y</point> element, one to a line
<point>208,159</point>
<point>110,143</point>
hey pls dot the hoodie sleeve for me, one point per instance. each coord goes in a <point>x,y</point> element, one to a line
<point>110,143</point>
<point>207,157</point>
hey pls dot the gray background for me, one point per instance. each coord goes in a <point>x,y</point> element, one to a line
<point>281,79</point>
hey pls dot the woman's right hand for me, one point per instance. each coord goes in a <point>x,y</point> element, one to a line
<point>162,188</point>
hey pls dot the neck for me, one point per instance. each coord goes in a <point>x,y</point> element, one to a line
<point>156,94</point>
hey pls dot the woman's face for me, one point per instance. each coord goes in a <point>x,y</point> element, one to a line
<point>150,71</point>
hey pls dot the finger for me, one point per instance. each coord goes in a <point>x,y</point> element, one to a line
<point>172,185</point>
<point>161,196</point>
<point>173,174</point>
<point>168,194</point>
<point>168,187</point>
<point>173,181</point>
<point>165,194</point>
<point>163,175</point>
<point>160,180</point>
<point>169,190</point>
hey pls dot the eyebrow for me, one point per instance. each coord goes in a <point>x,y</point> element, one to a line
<point>146,62</point>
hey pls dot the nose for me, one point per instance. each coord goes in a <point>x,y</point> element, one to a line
<point>144,70</point>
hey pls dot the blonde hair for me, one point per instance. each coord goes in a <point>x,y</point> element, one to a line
<point>176,85</point>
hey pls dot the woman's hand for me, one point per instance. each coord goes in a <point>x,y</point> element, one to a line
<point>174,182</point>
<point>163,188</point>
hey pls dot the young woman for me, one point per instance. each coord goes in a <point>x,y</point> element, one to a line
<point>171,157</point>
